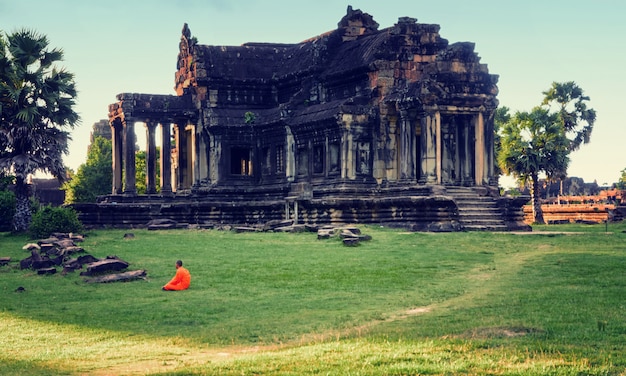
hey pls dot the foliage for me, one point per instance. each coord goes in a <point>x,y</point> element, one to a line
<point>540,141</point>
<point>577,119</point>
<point>7,202</point>
<point>533,143</point>
<point>7,210</point>
<point>36,107</point>
<point>249,117</point>
<point>621,183</point>
<point>5,181</point>
<point>51,219</point>
<point>501,117</point>
<point>141,169</point>
<point>94,177</point>
<point>402,303</point>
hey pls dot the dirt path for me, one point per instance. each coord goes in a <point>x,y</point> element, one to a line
<point>197,357</point>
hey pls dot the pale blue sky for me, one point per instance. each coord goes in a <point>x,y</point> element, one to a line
<point>131,46</point>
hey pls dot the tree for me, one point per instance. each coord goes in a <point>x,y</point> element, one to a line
<point>576,118</point>
<point>36,113</point>
<point>93,178</point>
<point>141,163</point>
<point>621,183</point>
<point>501,117</point>
<point>534,143</point>
<point>541,141</point>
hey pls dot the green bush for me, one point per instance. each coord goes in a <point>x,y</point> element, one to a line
<point>51,219</point>
<point>7,210</point>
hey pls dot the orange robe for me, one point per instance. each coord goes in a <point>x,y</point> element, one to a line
<point>181,280</point>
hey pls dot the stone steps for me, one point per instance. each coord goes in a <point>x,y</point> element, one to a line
<point>476,212</point>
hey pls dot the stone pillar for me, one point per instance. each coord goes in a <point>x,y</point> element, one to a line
<point>480,149</point>
<point>438,155</point>
<point>429,149</point>
<point>489,150</point>
<point>348,161</point>
<point>195,159</point>
<point>406,149</point>
<point>290,156</point>
<point>179,132</point>
<point>117,137</point>
<point>166,160</point>
<point>466,158</point>
<point>150,158</point>
<point>129,156</point>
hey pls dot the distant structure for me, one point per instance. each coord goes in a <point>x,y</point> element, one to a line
<point>100,128</point>
<point>357,125</point>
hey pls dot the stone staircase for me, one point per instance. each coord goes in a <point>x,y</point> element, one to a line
<point>477,212</point>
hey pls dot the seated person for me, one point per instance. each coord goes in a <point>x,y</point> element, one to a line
<point>181,280</point>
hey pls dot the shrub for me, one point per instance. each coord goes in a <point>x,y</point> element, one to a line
<point>7,210</point>
<point>51,219</point>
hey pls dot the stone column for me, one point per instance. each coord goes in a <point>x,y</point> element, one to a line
<point>195,159</point>
<point>439,157</point>
<point>348,162</point>
<point>129,156</point>
<point>480,149</point>
<point>489,150</point>
<point>406,150</point>
<point>466,158</point>
<point>150,157</point>
<point>166,160</point>
<point>429,149</point>
<point>290,155</point>
<point>179,132</point>
<point>117,138</point>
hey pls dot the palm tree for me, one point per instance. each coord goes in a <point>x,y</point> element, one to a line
<point>36,112</point>
<point>577,119</point>
<point>541,141</point>
<point>534,143</point>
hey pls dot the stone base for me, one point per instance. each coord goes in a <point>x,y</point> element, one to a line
<point>411,208</point>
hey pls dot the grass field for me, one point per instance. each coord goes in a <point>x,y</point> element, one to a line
<point>551,303</point>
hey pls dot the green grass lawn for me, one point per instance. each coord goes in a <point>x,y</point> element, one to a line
<point>275,303</point>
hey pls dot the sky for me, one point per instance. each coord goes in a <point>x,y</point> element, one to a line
<point>132,46</point>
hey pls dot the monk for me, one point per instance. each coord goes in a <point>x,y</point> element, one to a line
<point>181,280</point>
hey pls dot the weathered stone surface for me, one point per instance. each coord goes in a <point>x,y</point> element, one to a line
<point>47,247</point>
<point>42,264</point>
<point>325,233</point>
<point>245,229</point>
<point>272,225</point>
<point>77,263</point>
<point>351,242</point>
<point>65,243</point>
<point>31,246</point>
<point>71,250</point>
<point>26,263</point>
<point>48,241</point>
<point>104,266</point>
<point>44,271</point>
<point>118,277</point>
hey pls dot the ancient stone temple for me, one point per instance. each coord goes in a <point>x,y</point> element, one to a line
<point>388,126</point>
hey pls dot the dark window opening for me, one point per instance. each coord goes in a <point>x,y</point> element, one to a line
<point>266,166</point>
<point>240,162</point>
<point>318,159</point>
<point>303,162</point>
<point>334,159</point>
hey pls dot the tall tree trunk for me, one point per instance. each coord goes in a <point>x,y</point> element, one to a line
<point>21,219</point>
<point>536,200</point>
